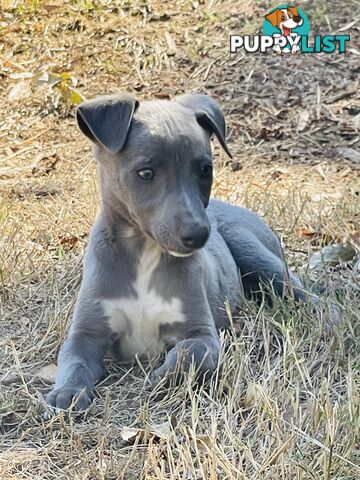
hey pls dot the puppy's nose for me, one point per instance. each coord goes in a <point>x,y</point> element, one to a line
<point>195,236</point>
<point>297,19</point>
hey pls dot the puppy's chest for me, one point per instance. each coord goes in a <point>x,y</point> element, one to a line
<point>144,323</point>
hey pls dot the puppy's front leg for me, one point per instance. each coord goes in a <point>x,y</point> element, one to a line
<point>80,361</point>
<point>200,349</point>
<point>199,343</point>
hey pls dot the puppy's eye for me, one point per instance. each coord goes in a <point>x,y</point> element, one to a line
<point>283,17</point>
<point>206,171</point>
<point>146,174</point>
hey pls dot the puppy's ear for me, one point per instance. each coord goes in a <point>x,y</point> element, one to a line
<point>274,18</point>
<point>294,11</point>
<point>106,120</point>
<point>208,114</point>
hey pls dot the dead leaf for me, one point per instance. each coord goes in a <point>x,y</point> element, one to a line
<point>20,91</point>
<point>318,197</point>
<point>164,429</point>
<point>348,25</point>
<point>21,75</point>
<point>47,373</point>
<point>305,232</point>
<point>72,96</point>
<point>69,241</point>
<point>11,378</point>
<point>236,166</point>
<point>171,44</point>
<point>350,154</point>
<point>65,82</point>
<point>129,434</point>
<point>252,395</point>
<point>332,255</point>
<point>51,8</point>
<point>204,443</point>
<point>48,78</point>
<point>356,121</point>
<point>158,432</point>
<point>321,171</point>
<point>44,164</point>
<point>303,120</point>
<point>7,4</point>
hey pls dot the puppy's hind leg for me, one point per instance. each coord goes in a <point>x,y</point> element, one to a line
<point>258,266</point>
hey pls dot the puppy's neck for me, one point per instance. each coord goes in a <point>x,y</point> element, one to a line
<point>119,222</point>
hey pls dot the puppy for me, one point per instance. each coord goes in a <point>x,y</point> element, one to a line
<point>162,257</point>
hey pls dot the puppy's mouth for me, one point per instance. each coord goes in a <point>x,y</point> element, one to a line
<point>174,252</point>
<point>180,254</point>
<point>286,31</point>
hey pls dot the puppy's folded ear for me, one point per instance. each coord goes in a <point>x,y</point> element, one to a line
<point>274,18</point>
<point>294,11</point>
<point>208,114</point>
<point>106,120</point>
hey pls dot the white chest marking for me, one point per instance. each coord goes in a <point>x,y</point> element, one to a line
<point>137,318</point>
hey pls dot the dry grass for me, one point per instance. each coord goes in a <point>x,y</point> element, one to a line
<point>285,403</point>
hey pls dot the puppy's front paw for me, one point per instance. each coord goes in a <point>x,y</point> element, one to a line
<point>199,354</point>
<point>163,376</point>
<point>65,397</point>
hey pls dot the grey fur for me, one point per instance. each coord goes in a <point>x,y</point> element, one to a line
<point>140,219</point>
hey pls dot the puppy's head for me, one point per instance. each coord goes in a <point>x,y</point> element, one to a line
<point>287,17</point>
<point>156,163</point>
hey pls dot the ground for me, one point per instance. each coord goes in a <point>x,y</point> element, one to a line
<point>285,402</point>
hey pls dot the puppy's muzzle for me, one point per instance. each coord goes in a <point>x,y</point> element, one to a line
<point>194,236</point>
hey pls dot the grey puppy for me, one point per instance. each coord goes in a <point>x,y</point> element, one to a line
<point>162,258</point>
